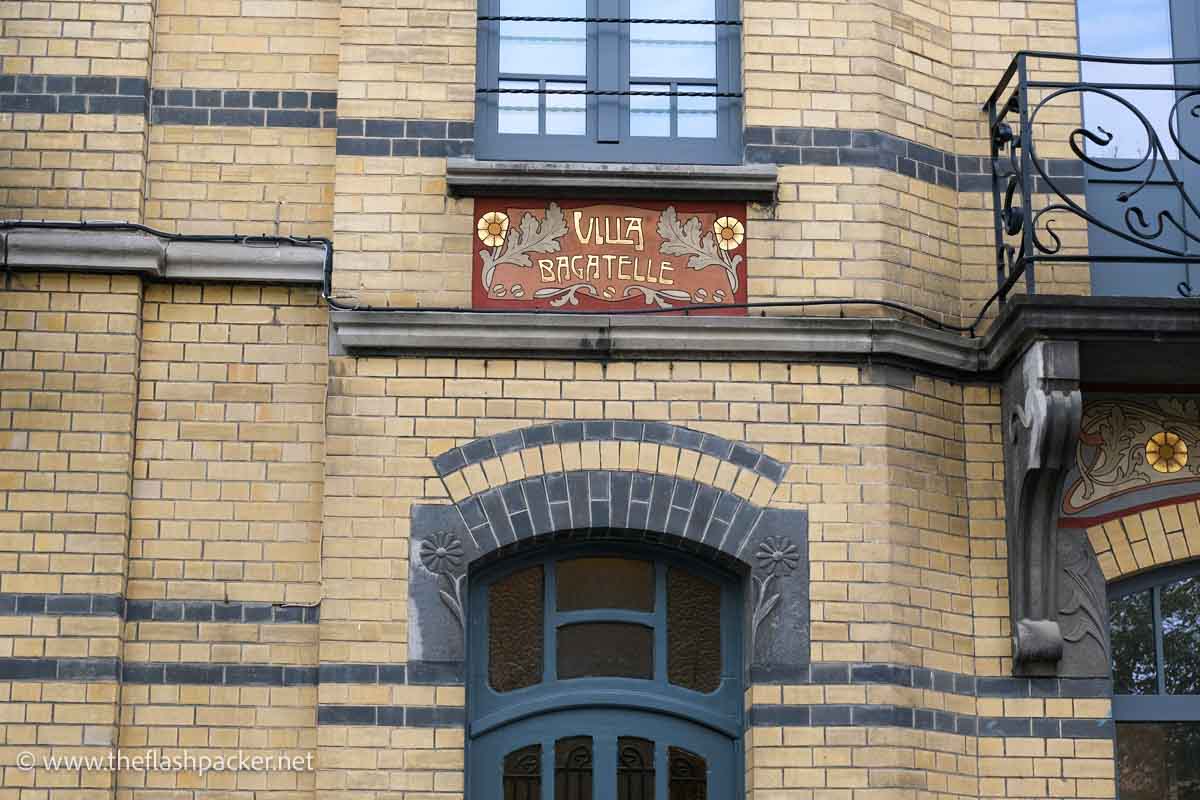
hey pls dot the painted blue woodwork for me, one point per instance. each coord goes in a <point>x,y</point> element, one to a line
<point>708,725</point>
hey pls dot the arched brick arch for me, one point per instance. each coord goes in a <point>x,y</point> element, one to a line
<point>1146,539</point>
<point>647,481</point>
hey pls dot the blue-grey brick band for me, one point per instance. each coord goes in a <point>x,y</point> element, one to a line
<point>392,716</point>
<point>244,108</point>
<point>834,715</point>
<point>15,604</point>
<point>399,137</point>
<point>73,94</point>
<point>608,430</point>
<point>104,605</point>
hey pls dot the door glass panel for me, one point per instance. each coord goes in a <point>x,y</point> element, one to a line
<point>672,51</point>
<point>523,774</point>
<point>586,583</point>
<point>693,631</point>
<point>1180,606</point>
<point>573,768</point>
<point>515,630</point>
<point>689,775</point>
<point>1132,630</point>
<point>1158,761</point>
<point>635,769</point>
<point>543,48</point>
<point>1128,29</point>
<point>605,649</point>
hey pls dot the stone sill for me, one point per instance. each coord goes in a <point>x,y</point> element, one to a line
<point>143,254</point>
<point>752,182</point>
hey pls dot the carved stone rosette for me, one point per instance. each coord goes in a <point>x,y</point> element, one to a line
<point>1041,416</point>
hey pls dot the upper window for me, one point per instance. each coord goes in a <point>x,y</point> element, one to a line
<point>653,81</point>
<point>605,674</point>
<point>1155,628</point>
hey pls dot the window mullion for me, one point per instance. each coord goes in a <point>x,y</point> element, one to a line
<point>608,78</point>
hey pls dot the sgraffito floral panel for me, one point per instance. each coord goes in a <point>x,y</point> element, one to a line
<point>599,256</point>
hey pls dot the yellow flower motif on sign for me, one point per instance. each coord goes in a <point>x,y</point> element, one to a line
<point>1166,452</point>
<point>492,228</point>
<point>730,233</point>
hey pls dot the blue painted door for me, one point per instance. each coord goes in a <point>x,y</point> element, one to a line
<point>604,674</point>
<point>1155,180</point>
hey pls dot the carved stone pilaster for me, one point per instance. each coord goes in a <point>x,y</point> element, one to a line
<point>1041,412</point>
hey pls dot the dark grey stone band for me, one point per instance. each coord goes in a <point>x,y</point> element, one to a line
<point>73,94</point>
<point>611,430</point>
<point>16,604</point>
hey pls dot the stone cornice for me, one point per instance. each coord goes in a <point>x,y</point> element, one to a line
<point>1024,320</point>
<point>107,251</point>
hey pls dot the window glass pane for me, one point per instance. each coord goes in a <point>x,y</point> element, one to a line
<point>585,583</point>
<point>515,630</point>
<point>649,116</point>
<point>609,649</point>
<point>543,48</point>
<point>565,112</point>
<point>573,768</point>
<point>1181,636</point>
<point>672,51</point>
<point>635,769</point>
<point>1129,29</point>
<point>689,775</point>
<point>518,112</point>
<point>1158,761</point>
<point>693,631</point>
<point>1131,623</point>
<point>698,115</point>
<point>523,774</point>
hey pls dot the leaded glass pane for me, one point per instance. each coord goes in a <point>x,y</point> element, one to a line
<point>635,769</point>
<point>523,774</point>
<point>573,768</point>
<point>1158,761</point>
<point>1132,632</point>
<point>1180,607</point>
<point>515,630</point>
<point>587,583</point>
<point>688,775</point>
<point>605,649</point>
<point>693,631</point>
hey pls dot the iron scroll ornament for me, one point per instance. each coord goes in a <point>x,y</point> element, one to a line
<point>1017,167</point>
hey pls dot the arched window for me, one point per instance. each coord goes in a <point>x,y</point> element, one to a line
<point>604,673</point>
<point>1155,628</point>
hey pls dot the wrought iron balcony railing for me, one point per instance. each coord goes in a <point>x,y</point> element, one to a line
<point>1096,161</point>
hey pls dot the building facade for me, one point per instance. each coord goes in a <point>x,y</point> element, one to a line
<point>407,399</point>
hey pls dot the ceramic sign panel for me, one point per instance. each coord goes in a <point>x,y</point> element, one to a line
<point>598,256</point>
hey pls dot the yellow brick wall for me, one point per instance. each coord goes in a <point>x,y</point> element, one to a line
<point>230,443</point>
<point>250,181</point>
<point>97,37</point>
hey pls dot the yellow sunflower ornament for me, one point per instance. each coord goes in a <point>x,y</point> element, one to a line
<point>1166,452</point>
<point>492,228</point>
<point>730,233</point>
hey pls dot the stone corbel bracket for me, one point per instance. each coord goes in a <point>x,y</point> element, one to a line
<point>1042,407</point>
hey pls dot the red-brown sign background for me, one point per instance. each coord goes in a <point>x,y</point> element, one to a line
<point>589,255</point>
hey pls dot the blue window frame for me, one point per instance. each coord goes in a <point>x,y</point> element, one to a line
<point>1140,29</point>
<point>1154,624</point>
<point>604,673</point>
<point>609,91</point>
